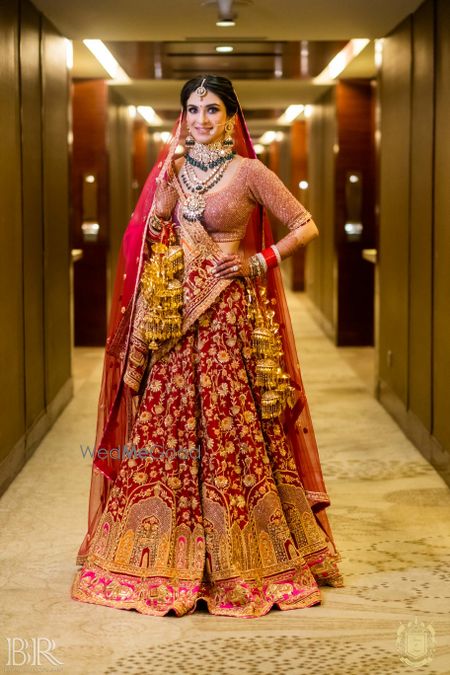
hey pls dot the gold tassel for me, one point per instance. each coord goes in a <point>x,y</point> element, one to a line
<point>277,391</point>
<point>162,292</point>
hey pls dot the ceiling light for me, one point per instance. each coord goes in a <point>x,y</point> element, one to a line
<point>224,23</point>
<point>341,61</point>
<point>291,113</point>
<point>224,49</point>
<point>267,137</point>
<point>107,60</point>
<point>258,148</point>
<point>270,136</point>
<point>149,115</point>
<point>69,54</point>
<point>378,52</point>
<point>132,111</point>
<point>303,185</point>
<point>162,136</point>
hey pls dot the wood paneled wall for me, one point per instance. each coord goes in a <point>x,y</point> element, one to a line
<point>298,172</point>
<point>35,381</point>
<point>121,163</point>
<point>90,156</point>
<point>441,257</point>
<point>339,281</point>
<point>109,144</point>
<point>414,266</point>
<point>356,153</point>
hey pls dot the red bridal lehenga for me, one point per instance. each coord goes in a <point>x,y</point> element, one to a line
<point>227,507</point>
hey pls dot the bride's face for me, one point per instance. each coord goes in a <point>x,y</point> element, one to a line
<point>206,117</point>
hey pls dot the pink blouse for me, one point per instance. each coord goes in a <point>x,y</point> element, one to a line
<point>228,208</point>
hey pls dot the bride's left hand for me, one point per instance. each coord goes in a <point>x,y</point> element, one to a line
<point>231,266</point>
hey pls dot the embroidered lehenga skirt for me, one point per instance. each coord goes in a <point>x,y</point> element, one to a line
<point>214,509</point>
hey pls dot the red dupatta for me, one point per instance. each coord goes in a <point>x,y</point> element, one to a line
<point>115,417</point>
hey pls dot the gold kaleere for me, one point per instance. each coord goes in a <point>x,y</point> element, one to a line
<point>277,391</point>
<point>162,291</point>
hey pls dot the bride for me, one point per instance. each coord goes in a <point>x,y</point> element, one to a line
<point>206,481</point>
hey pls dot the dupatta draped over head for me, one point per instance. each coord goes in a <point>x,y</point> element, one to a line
<point>115,416</point>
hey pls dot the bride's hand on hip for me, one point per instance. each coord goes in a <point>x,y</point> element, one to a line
<point>230,266</point>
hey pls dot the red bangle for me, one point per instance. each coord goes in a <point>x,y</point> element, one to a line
<point>270,257</point>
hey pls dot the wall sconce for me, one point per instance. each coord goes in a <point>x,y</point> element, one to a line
<point>90,226</point>
<point>353,205</point>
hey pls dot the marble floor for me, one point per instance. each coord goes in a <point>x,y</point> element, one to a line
<point>390,515</point>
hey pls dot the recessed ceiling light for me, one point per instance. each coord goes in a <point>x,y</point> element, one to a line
<point>224,23</point>
<point>149,115</point>
<point>224,49</point>
<point>341,61</point>
<point>291,113</point>
<point>107,60</point>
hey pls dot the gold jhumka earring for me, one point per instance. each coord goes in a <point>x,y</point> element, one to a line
<point>189,141</point>
<point>228,140</point>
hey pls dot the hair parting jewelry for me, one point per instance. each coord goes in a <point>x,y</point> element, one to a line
<point>201,90</point>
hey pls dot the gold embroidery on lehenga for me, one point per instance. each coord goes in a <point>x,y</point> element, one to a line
<point>232,525</point>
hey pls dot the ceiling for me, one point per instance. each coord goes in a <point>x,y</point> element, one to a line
<point>171,20</point>
<point>279,47</point>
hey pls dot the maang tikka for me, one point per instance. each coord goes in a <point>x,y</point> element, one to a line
<point>200,91</point>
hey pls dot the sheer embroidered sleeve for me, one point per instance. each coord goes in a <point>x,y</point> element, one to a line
<point>270,191</point>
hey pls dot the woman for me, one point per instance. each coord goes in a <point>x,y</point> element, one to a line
<point>206,482</point>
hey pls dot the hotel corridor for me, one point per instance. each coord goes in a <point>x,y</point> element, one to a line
<point>390,514</point>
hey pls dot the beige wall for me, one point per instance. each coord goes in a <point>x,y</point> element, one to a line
<point>414,268</point>
<point>35,378</point>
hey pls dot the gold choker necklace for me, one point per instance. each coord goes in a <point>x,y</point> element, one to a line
<point>208,156</point>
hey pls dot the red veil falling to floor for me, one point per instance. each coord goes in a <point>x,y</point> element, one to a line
<point>115,417</point>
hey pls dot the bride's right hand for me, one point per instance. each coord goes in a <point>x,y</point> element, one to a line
<point>165,199</point>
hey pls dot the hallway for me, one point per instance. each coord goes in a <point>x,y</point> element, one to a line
<point>390,515</point>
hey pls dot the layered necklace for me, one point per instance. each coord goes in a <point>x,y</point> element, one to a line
<point>213,156</point>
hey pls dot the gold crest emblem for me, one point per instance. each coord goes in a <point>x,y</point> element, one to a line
<point>416,643</point>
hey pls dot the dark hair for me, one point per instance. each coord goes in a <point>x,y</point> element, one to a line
<point>221,86</point>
